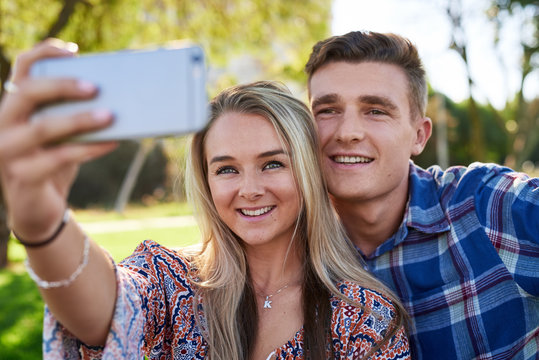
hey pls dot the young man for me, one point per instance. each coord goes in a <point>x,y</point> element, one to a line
<point>460,247</point>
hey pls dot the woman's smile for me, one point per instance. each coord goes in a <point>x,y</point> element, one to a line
<point>256,212</point>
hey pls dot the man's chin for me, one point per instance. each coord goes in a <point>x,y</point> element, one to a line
<point>340,195</point>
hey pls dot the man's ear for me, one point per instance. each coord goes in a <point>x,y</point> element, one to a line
<point>423,133</point>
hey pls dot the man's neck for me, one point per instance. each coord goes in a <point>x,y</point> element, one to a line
<point>371,223</point>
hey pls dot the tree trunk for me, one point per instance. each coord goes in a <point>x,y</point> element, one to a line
<point>62,19</point>
<point>477,143</point>
<point>4,233</point>
<point>442,144</point>
<point>132,174</point>
<point>5,67</point>
<point>455,10</point>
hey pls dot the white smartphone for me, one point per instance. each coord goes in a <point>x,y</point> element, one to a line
<point>152,93</point>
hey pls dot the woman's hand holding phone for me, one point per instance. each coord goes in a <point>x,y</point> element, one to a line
<point>36,168</point>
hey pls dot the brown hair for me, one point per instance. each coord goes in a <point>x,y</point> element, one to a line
<point>365,46</point>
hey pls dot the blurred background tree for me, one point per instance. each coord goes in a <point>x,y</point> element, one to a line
<point>521,117</point>
<point>277,35</point>
<point>482,132</point>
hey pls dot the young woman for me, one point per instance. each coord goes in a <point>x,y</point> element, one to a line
<point>275,276</point>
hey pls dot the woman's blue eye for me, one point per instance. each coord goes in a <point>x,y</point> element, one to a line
<point>225,170</point>
<point>273,165</point>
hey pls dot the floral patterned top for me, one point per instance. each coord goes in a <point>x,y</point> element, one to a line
<point>154,316</point>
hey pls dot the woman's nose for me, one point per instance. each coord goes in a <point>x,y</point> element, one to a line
<point>251,187</point>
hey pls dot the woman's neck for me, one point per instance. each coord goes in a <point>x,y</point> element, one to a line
<point>277,276</point>
<point>273,268</point>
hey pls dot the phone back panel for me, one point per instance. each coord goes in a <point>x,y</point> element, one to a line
<point>151,93</point>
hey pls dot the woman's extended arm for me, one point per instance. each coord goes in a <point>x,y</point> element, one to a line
<point>36,174</point>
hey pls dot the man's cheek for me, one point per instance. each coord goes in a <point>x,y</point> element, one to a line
<point>324,133</point>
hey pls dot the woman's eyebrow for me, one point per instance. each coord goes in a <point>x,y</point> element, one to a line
<point>220,158</point>
<point>265,154</point>
<point>272,153</point>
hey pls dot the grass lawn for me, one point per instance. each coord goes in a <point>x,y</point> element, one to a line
<point>21,307</point>
<point>134,211</point>
<point>22,315</point>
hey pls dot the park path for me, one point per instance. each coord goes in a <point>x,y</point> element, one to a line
<point>111,226</point>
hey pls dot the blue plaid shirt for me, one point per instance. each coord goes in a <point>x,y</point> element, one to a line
<point>465,263</point>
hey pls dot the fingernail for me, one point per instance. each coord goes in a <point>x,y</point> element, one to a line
<point>102,115</point>
<point>71,47</point>
<point>86,86</point>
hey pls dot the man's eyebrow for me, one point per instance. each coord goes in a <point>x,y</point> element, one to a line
<point>325,99</point>
<point>378,100</point>
<point>366,99</point>
<point>221,158</point>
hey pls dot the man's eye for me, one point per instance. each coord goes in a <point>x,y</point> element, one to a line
<point>226,170</point>
<point>377,112</point>
<point>326,111</point>
<point>273,165</point>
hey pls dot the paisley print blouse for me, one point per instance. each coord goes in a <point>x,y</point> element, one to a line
<point>154,316</point>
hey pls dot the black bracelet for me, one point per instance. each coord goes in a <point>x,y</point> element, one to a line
<point>65,219</point>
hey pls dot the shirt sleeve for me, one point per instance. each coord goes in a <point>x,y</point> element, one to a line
<point>138,324</point>
<point>508,203</point>
<point>508,207</point>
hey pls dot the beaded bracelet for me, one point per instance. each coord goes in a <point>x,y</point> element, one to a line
<point>59,229</point>
<point>61,283</point>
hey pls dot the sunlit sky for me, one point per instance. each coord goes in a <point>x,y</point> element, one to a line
<point>425,23</point>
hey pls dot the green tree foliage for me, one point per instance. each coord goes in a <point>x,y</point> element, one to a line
<point>279,34</point>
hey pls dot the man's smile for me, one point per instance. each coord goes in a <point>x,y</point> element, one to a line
<point>345,159</point>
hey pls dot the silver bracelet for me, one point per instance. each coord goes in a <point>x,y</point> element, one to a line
<point>61,283</point>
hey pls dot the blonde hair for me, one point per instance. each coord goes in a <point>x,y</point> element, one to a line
<point>222,269</point>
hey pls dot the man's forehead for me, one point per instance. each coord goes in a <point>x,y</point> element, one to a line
<point>351,72</point>
<point>354,81</point>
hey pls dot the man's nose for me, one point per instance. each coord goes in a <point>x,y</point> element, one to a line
<point>351,128</point>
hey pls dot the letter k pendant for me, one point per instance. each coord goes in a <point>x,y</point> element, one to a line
<point>267,303</point>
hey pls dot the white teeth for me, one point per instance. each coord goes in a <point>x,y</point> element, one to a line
<point>256,212</point>
<point>351,159</point>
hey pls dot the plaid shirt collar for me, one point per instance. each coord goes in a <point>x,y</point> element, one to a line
<point>423,212</point>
